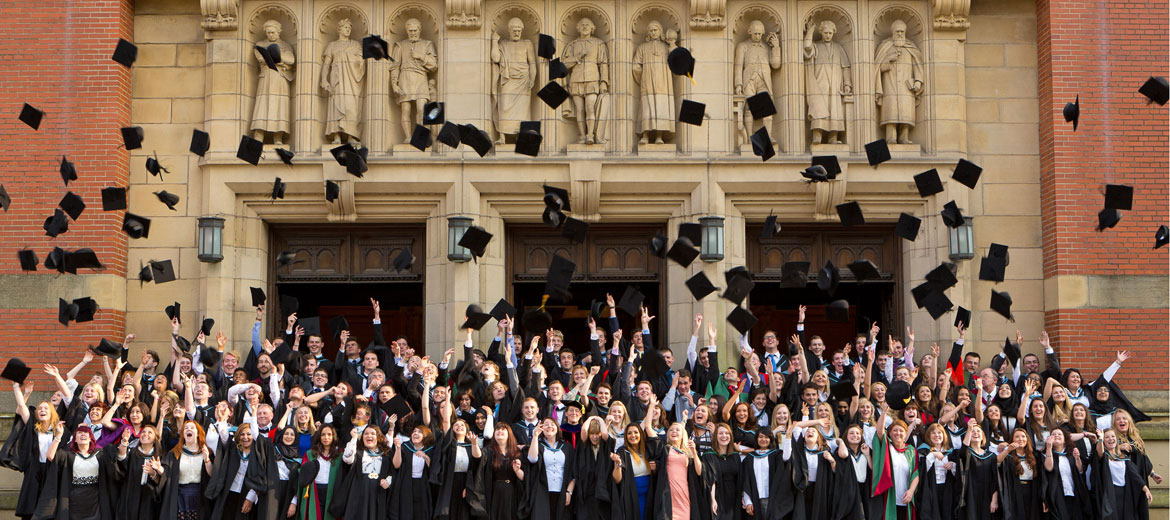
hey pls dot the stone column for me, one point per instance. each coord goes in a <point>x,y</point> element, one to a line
<point>377,107</point>
<point>227,53</point>
<point>714,52</point>
<point>306,98</point>
<point>622,88</point>
<point>945,100</point>
<point>465,83</point>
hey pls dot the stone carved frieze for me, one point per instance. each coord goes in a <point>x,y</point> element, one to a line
<point>708,14</point>
<point>220,15</point>
<point>952,14</point>
<point>464,14</point>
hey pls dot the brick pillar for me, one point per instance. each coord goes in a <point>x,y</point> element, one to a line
<point>67,72</point>
<point>1104,291</point>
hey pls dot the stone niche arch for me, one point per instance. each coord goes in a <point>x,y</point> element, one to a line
<point>396,31</point>
<point>254,34</point>
<point>773,23</point>
<point>847,36</point>
<point>603,30</point>
<point>916,33</point>
<point>672,24</point>
<point>533,26</point>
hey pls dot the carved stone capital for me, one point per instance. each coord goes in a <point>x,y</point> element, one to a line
<point>220,15</point>
<point>952,15</point>
<point>464,14</point>
<point>708,14</point>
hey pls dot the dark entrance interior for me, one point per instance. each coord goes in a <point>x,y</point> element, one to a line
<point>339,268</point>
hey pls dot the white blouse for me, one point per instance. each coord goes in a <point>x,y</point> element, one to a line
<point>814,462</point>
<point>1066,475</point>
<point>323,467</point>
<point>85,467</point>
<point>554,469</point>
<point>43,442</point>
<point>900,467</point>
<point>462,459</point>
<point>760,468</point>
<point>417,465</point>
<point>190,467</point>
<point>1117,471</point>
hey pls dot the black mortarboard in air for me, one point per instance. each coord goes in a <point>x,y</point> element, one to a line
<point>16,371</point>
<point>998,251</point>
<point>5,199</point>
<point>742,319</point>
<point>877,152</point>
<point>30,116</point>
<point>113,198</point>
<point>338,152</point>
<point>850,214</point>
<point>683,251</point>
<point>403,260</point>
<point>967,173</point>
<point>631,301</point>
<point>132,137</point>
<point>86,309</point>
<point>681,62</point>
<point>476,240</point>
<point>338,324</point>
<point>374,47</point>
<point>311,325</point>
<point>72,204</point>
<point>528,141</point>
<point>1072,112</point>
<point>794,274</point>
<point>691,112</point>
<point>475,138</point>
<point>864,270</point>
<point>552,217</point>
<point>163,271</point>
<point>258,296</point>
<point>921,291</point>
<point>1156,89</point>
<point>289,305</point>
<point>287,258</point>
<point>692,231</point>
<point>68,170</point>
<point>136,226</point>
<point>55,260</point>
<point>449,134</point>
<point>829,277</point>
<point>476,318</point>
<point>928,183</point>
<point>1011,351</point>
<point>762,144</point>
<point>943,276</point>
<point>144,273</point>
<point>200,142</point>
<point>842,391</point>
<point>937,304</point>
<point>433,113</point>
<point>420,139</point>
<point>546,46</point>
<point>829,162</point>
<point>56,224</point>
<point>502,310</point>
<point>1001,303</point>
<point>575,230</point>
<point>738,288</point>
<point>332,191</point>
<point>898,395</point>
<point>658,245</point>
<point>269,54</point>
<point>992,269</point>
<point>1117,196</point>
<point>28,259</point>
<point>84,258</point>
<point>761,105</point>
<point>1107,218</point>
<point>536,321</point>
<point>278,187</point>
<point>170,199</point>
<point>559,276</point>
<point>557,198</point>
<point>355,162</point>
<point>250,150</point>
<point>771,227</point>
<point>951,215</point>
<point>815,173</point>
<point>700,286</point>
<point>66,311</point>
<point>596,307</point>
<point>209,357</point>
<point>963,316</point>
<point>908,226</point>
<point>286,156</point>
<point>125,53</point>
<point>1161,236</point>
<point>154,167</point>
<point>557,69</point>
<point>735,272</point>
<point>530,126</point>
<point>837,310</point>
<point>553,94</point>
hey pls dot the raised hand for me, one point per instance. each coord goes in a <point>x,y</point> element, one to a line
<point>1019,338</point>
<point>175,325</point>
<point>220,339</point>
<point>874,329</point>
<point>609,301</point>
<point>1044,341</point>
<point>344,336</point>
<point>1123,356</point>
<point>377,309</point>
<point>801,310</point>
<point>292,320</point>
<point>698,323</point>
<point>962,328</point>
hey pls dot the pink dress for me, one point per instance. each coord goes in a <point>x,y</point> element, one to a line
<point>680,493</point>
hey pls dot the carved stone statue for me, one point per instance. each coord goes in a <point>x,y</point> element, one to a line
<point>342,73</point>
<point>899,83</point>
<point>754,63</point>
<point>652,74</point>
<point>827,83</point>
<point>271,113</point>
<point>587,58</point>
<point>513,75</point>
<point>411,61</point>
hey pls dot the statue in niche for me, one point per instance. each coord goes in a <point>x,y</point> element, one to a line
<point>652,74</point>
<point>755,59</point>
<point>342,73</point>
<point>270,115</point>
<point>513,75</point>
<point>587,58</point>
<point>899,83</point>
<point>827,83</point>
<point>411,61</point>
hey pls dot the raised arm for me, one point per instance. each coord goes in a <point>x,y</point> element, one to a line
<point>21,404</point>
<point>86,359</point>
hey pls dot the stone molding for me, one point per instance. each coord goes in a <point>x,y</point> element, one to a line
<point>951,15</point>
<point>220,15</point>
<point>708,14</point>
<point>464,14</point>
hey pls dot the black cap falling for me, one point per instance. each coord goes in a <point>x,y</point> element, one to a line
<point>556,198</point>
<point>5,199</point>
<point>794,275</point>
<point>829,162</point>
<point>84,258</point>
<point>967,173</point>
<point>552,217</point>
<point>132,137</point>
<point>258,296</point>
<point>631,301</point>
<point>475,318</point>
<point>28,259</point>
<point>1156,89</point>
<point>269,54</point>
<point>681,62</point>
<point>200,142</point>
<point>125,53</point>
<point>66,311</point>
<point>502,310</point>
<point>154,167</point>
<point>403,260</point>
<point>286,258</point>
<point>337,324</point>
<point>553,94</point>
<point>658,245</point>
<point>942,277</point>
<point>761,105</point>
<point>693,231</point>
<point>250,150</point>
<point>898,395</point>
<point>163,271</point>
<point>762,144</point>
<point>557,69</point>
<point>136,226</point>
<point>278,187</point>
<point>877,152</point>
<point>311,325</point>
<point>86,309</point>
<point>30,116</point>
<point>55,260</point>
<point>928,183</point>
<point>850,214</point>
<point>355,162</point>
<point>16,371</point>
<point>1072,112</point>
<point>962,316</point>
<point>433,113</point>
<point>528,140</point>
<point>286,156</point>
<point>1161,236</point>
<point>475,138</point>
<point>558,277</point>
<point>68,170</point>
<point>1107,218</point>
<point>691,112</point>
<point>144,273</point>
<point>374,47</point>
<point>742,320</point>
<point>735,272</point>
<point>837,310</point>
<point>771,227</point>
<point>476,240</point>
<point>72,204</point>
<point>288,305</point>
<point>546,46</point>
<point>420,138</point>
<point>864,270</point>
<point>908,226</point>
<point>449,134</point>
<point>1001,303</point>
<point>170,199</point>
<point>1117,196</point>
<point>206,326</point>
<point>700,286</point>
<point>113,198</point>
<point>992,269</point>
<point>829,277</point>
<point>575,230</point>
<point>332,191</point>
<point>815,173</point>
<point>738,288</point>
<point>951,215</point>
<point>683,251</point>
<point>937,304</point>
<point>56,224</point>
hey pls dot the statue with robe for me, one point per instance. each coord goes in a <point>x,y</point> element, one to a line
<point>899,83</point>
<point>411,62</point>
<point>827,83</point>
<point>270,114</point>
<point>587,58</point>
<point>342,74</point>
<point>513,75</point>
<point>656,86</point>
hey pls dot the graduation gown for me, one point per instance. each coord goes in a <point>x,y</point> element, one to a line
<point>27,459</point>
<point>136,500</point>
<point>1019,500</point>
<point>851,499</point>
<point>592,496</point>
<point>660,488</point>
<point>1130,503</point>
<point>722,472</point>
<point>286,490</point>
<point>256,478</point>
<point>444,476</point>
<point>536,476</point>
<point>980,480</point>
<point>167,488</point>
<point>307,495</point>
<point>54,498</point>
<point>480,497</point>
<point>1053,488</point>
<point>780,501</point>
<point>405,488</point>
<point>938,501</point>
<point>362,497</point>
<point>883,480</point>
<point>822,499</point>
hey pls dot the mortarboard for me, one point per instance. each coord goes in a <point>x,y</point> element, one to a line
<point>658,245</point>
<point>28,259</point>
<point>1011,351</point>
<point>153,166</point>
<point>68,170</point>
<point>433,113</point>
<point>113,198</point>
<point>771,227</point>
<point>530,126</point>
<point>338,152</point>
<point>552,217</point>
<point>55,260</point>
<point>502,310</point>
<point>16,371</point>
<point>125,53</point>
<point>332,191</point>
<point>595,309</point>
<point>449,134</point>
<point>557,69</point>
<point>829,277</point>
<point>72,204</point>
<point>475,138</point>
<point>289,305</point>
<point>56,224</point>
<point>761,105</point>
<point>741,319</point>
<point>1001,303</point>
<point>967,173</point>
<point>403,261</point>
<point>1161,236</point>
<point>559,276</point>
<point>84,258</point>
<point>829,162</point>
<point>1156,89</point>
<point>735,272</point>
<point>278,187</point>
<point>183,343</point>
<point>992,269</point>
<point>555,197</point>
<point>312,325</point>
<point>475,317</point>
<point>475,239</point>
<point>1107,218</point>
<point>898,395</point>
<point>200,142</point>
<point>163,271</point>
<point>374,47</point>
<point>546,46</point>
<point>877,152</point>
<point>683,251</point>
<point>691,112</point>
<point>937,304</point>
<point>575,230</point>
<point>762,144</point>
<point>631,301</point>
<point>420,139</point>
<point>30,116</point>
<point>864,270</point>
<point>250,150</point>
<point>66,311</point>
<point>355,161</point>
<point>842,391</point>
<point>286,156</point>
<point>794,274</point>
<point>528,142</point>
<point>815,173</point>
<point>287,258</point>
<point>132,137</point>
<point>837,310</point>
<point>850,214</point>
<point>998,251</point>
<point>258,296</point>
<point>1072,112</point>
<point>681,62</point>
<point>536,321</point>
<point>700,286</point>
<point>136,226</point>
<point>963,316</point>
<point>86,309</point>
<point>1117,196</point>
<point>210,356</point>
<point>269,54</point>
<point>144,273</point>
<point>692,231</point>
<point>738,288</point>
<point>170,199</point>
<point>108,348</point>
<point>907,226</point>
<point>943,276</point>
<point>921,291</point>
<point>5,199</point>
<point>951,215</point>
<point>928,183</point>
<point>338,324</point>
<point>553,94</point>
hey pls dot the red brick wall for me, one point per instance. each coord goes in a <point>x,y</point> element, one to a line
<point>1104,51</point>
<point>57,58</point>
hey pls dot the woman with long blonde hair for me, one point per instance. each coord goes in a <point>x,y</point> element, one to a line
<point>813,465</point>
<point>33,453</point>
<point>1130,439</point>
<point>1119,486</point>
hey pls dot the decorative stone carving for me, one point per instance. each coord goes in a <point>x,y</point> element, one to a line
<point>755,59</point>
<point>514,74</point>
<point>828,82</point>
<point>587,58</point>
<point>464,14</point>
<point>270,114</point>
<point>412,61</point>
<point>898,83</point>
<point>708,14</point>
<point>951,14</point>
<point>655,85</point>
<point>220,15</point>
<point>343,72</point>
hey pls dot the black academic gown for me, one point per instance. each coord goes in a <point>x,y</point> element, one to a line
<point>362,497</point>
<point>779,484</point>
<point>167,488</point>
<point>448,494</point>
<point>256,478</point>
<point>54,498</point>
<point>1127,503</point>
<point>406,489</point>
<point>980,482</point>
<point>286,490</point>
<point>852,500</point>
<point>1019,500</point>
<point>722,472</point>
<point>536,477</point>
<point>938,501</point>
<point>592,496</point>
<point>823,491</point>
<point>661,497</point>
<point>136,501</point>
<point>1053,489</point>
<point>27,459</point>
